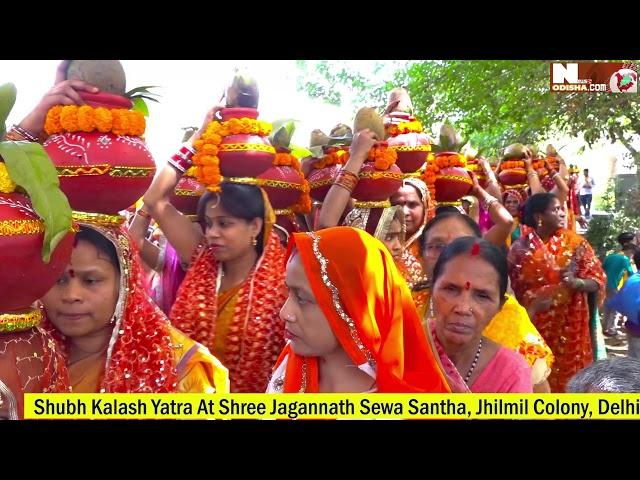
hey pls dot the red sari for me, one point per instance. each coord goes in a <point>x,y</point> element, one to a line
<point>536,268</point>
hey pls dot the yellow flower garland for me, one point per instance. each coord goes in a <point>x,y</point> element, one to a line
<point>71,118</point>
<point>208,146</point>
<point>405,127</point>
<point>6,184</point>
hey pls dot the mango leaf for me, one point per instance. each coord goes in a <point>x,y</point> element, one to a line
<point>316,152</point>
<point>282,132</point>
<point>29,166</point>
<point>300,152</point>
<point>7,100</point>
<point>140,105</point>
<point>144,89</point>
<point>147,98</point>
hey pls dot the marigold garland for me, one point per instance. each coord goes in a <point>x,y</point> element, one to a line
<point>333,156</point>
<point>72,118</point>
<point>511,164</point>
<point>404,127</point>
<point>435,163</point>
<point>6,184</point>
<point>382,157</point>
<point>206,158</point>
<point>448,161</point>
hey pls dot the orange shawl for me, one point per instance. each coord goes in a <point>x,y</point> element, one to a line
<point>369,308</point>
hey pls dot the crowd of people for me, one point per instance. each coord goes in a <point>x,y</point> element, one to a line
<point>496,294</point>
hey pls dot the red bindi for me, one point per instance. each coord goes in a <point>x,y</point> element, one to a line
<point>475,250</point>
<point>467,285</point>
<point>72,273</point>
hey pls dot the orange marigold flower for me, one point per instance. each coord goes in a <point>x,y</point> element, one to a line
<point>52,123</point>
<point>210,149</point>
<point>210,170</point>
<point>120,122</point>
<point>282,159</point>
<point>85,118</point>
<point>137,123</point>
<point>103,119</point>
<point>69,118</point>
<point>304,204</point>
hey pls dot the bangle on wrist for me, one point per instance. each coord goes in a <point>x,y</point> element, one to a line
<point>181,161</point>
<point>143,213</point>
<point>346,179</point>
<point>488,201</point>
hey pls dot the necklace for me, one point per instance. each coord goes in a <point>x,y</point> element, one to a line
<point>475,362</point>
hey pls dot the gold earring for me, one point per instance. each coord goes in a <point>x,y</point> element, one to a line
<point>431,315</point>
<point>539,222</point>
<point>254,241</point>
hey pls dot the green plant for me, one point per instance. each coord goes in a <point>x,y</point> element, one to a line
<point>138,96</point>
<point>30,168</point>
<point>604,229</point>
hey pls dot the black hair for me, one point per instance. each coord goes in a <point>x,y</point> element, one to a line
<point>102,243</point>
<point>636,258</point>
<point>486,251</point>
<point>625,237</point>
<point>443,216</point>
<point>537,203</point>
<point>446,209</point>
<point>241,201</point>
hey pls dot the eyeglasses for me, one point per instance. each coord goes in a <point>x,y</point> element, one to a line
<point>434,249</point>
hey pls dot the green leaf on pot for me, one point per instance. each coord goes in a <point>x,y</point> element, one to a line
<point>317,151</point>
<point>148,98</point>
<point>300,152</point>
<point>282,132</point>
<point>132,93</point>
<point>7,100</point>
<point>29,166</point>
<point>140,105</point>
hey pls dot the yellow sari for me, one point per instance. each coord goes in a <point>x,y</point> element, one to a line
<point>198,370</point>
<point>143,342</point>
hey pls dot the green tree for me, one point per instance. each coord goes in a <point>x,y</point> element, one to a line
<point>492,102</point>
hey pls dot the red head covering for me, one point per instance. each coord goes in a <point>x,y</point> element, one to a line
<point>370,310</point>
<point>140,356</point>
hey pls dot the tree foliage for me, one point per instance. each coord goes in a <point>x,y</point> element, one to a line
<point>492,102</point>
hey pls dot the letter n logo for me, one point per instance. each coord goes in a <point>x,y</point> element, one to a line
<point>564,74</point>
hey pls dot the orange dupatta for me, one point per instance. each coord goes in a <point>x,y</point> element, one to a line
<point>370,310</point>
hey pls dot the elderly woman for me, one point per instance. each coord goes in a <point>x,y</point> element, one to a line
<point>350,322</point>
<point>469,286</point>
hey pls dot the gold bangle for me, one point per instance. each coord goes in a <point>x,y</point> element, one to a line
<point>18,322</point>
